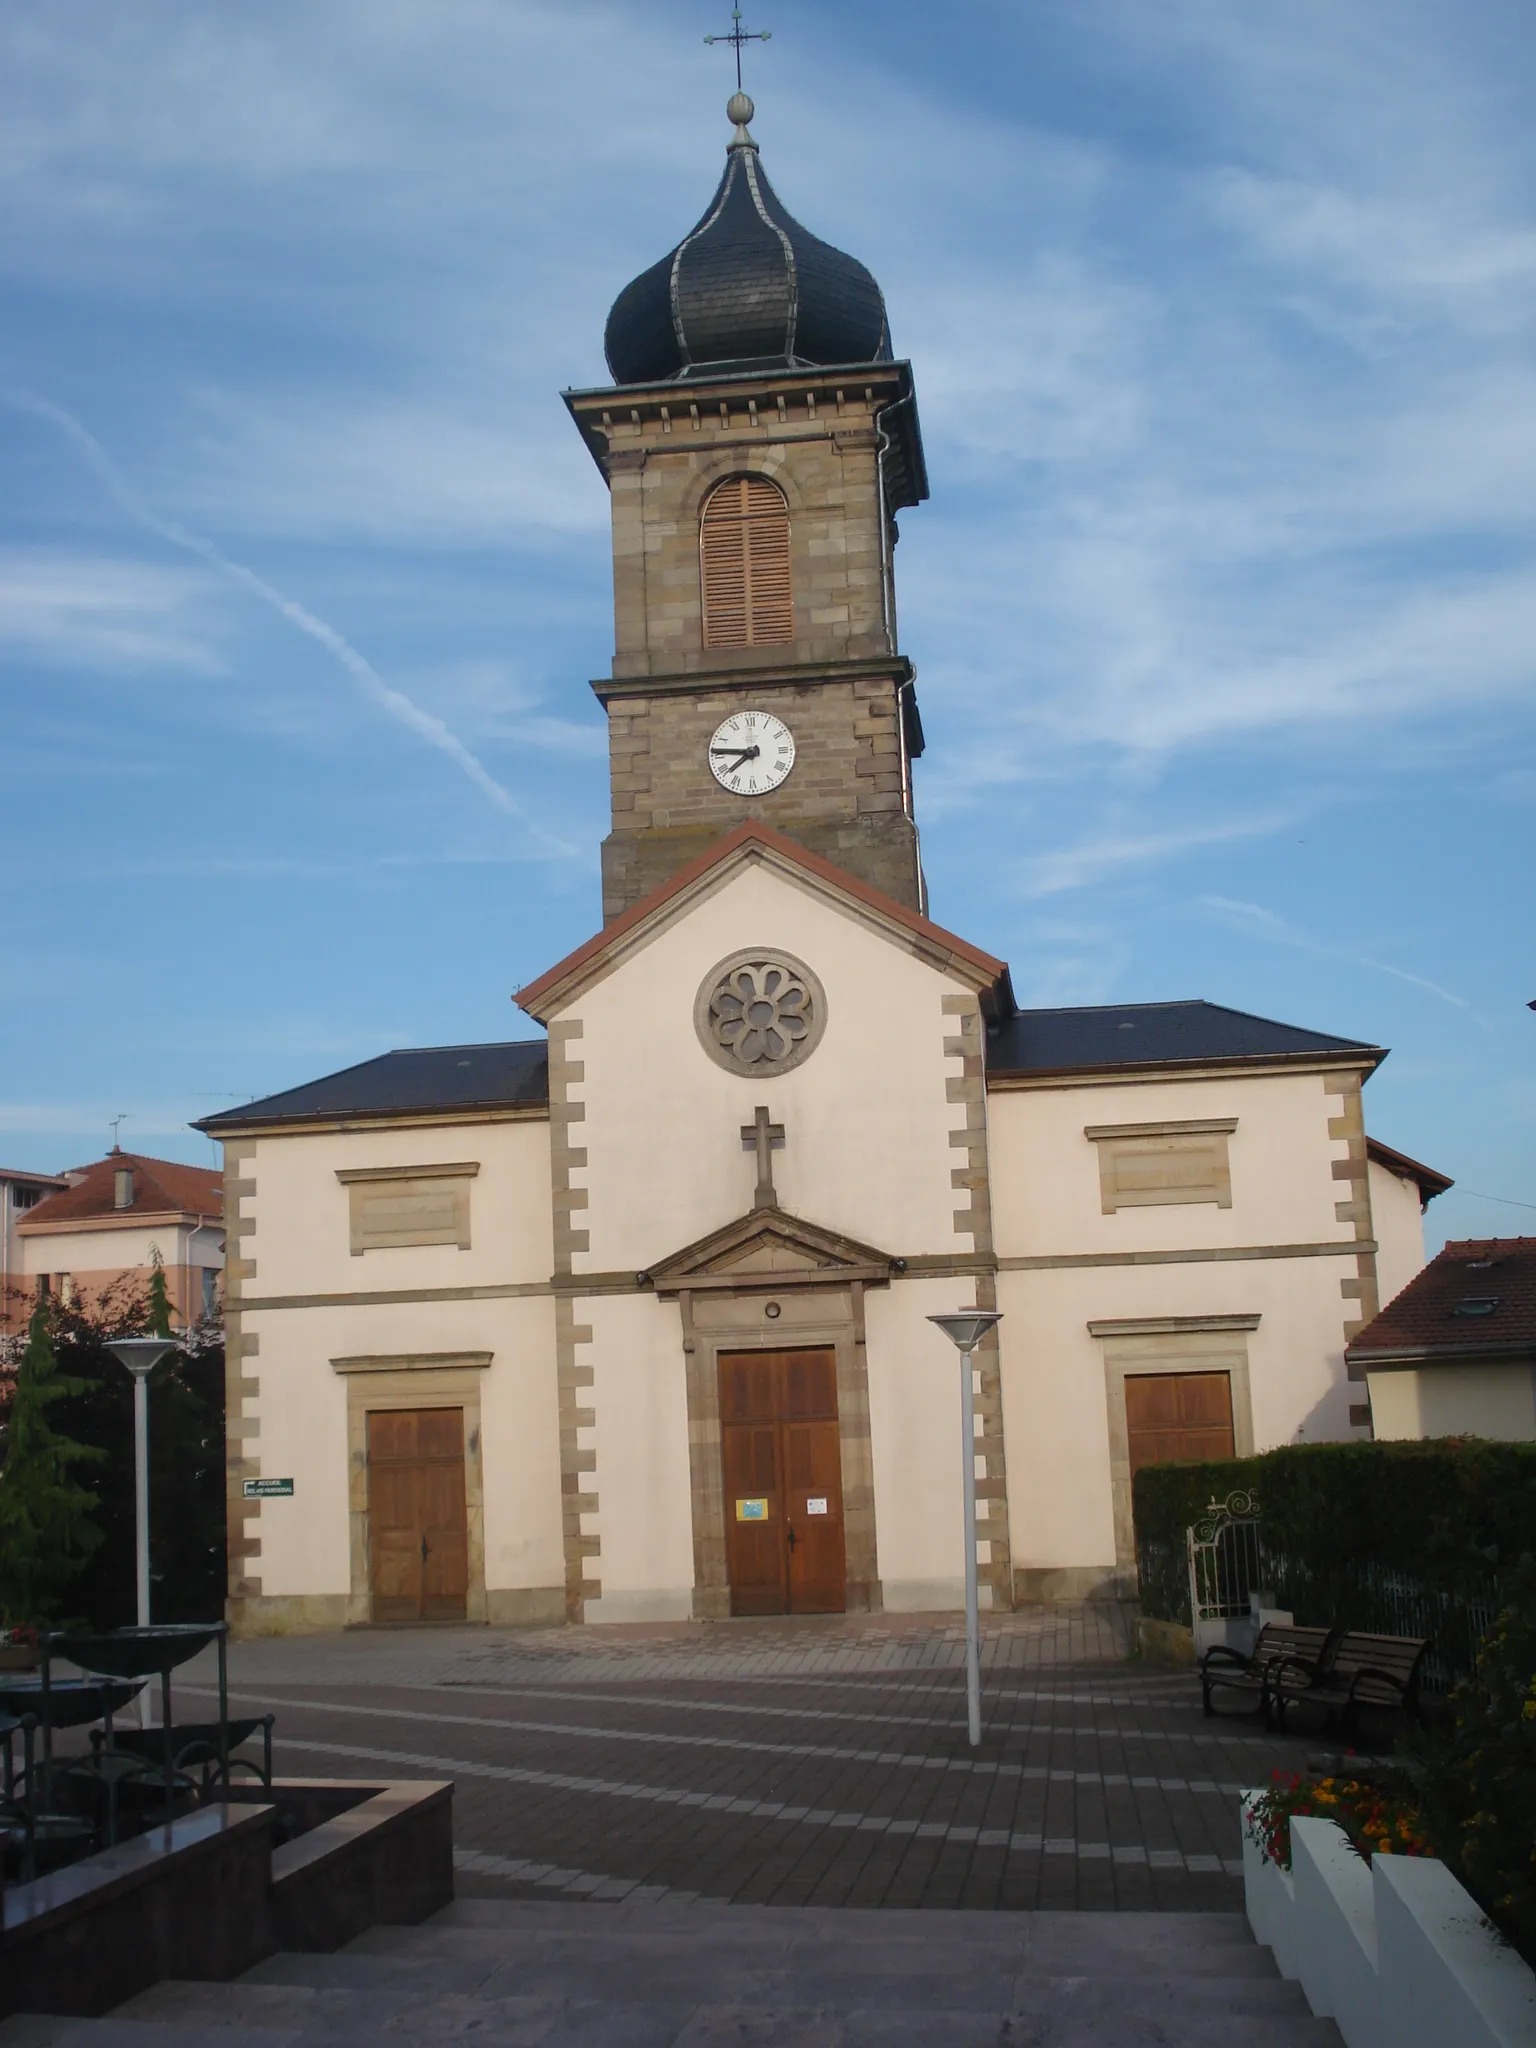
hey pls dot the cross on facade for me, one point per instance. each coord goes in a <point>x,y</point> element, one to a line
<point>764,1138</point>
<point>738,36</point>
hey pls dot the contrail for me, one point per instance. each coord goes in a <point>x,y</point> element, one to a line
<point>362,671</point>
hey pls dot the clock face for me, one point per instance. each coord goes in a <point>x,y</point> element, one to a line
<point>751,753</point>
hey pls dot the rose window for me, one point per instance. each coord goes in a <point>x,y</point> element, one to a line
<point>760,1013</point>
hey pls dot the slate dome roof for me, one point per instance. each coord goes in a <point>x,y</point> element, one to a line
<point>748,288</point>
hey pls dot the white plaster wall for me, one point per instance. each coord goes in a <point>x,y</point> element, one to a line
<point>1045,1173</point>
<point>302,1240</point>
<point>1055,1405</point>
<point>914,1414</point>
<point>111,1251</point>
<point>302,1410</point>
<point>1398,1220</point>
<point>1496,1401</point>
<point>866,1117</point>
<point>645,1520</point>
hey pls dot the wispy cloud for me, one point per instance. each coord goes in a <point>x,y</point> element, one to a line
<point>1094,860</point>
<point>425,724</point>
<point>1254,919</point>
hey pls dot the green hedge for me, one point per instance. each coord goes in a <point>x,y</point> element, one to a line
<point>1447,1513</point>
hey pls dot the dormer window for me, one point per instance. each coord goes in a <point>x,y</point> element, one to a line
<point>122,1188</point>
<point>744,565</point>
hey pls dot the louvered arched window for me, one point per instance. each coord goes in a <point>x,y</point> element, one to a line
<point>744,550</point>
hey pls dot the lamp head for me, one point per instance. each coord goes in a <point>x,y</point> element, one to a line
<point>142,1354</point>
<point>966,1327</point>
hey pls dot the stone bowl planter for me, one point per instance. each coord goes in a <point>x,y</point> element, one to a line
<point>18,1656</point>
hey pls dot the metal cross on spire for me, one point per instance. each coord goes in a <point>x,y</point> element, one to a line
<point>740,35</point>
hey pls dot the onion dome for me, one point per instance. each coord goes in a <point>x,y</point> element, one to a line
<point>748,289</point>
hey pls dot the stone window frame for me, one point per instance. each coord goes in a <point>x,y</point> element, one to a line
<point>1167,1344</point>
<point>761,1070</point>
<point>778,605</point>
<point>1188,1138</point>
<point>388,1382</point>
<point>359,1181</point>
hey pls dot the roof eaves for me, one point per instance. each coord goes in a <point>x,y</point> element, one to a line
<point>1343,1056</point>
<point>546,995</point>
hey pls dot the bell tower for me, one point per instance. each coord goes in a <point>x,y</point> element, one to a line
<point>758,441</point>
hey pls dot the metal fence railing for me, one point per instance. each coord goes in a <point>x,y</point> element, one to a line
<point>1219,1566</point>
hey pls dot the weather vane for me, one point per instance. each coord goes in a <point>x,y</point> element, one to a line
<point>740,35</point>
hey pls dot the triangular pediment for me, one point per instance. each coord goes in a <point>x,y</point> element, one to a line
<point>771,1248</point>
<point>757,844</point>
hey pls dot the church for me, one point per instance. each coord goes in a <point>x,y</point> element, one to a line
<point>627,1319</point>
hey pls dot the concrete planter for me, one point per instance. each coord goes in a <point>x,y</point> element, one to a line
<point>1393,1951</point>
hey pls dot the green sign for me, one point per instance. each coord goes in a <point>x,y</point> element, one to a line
<point>267,1489</point>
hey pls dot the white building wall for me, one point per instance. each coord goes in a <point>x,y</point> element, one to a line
<point>1397,1213</point>
<point>1497,1401</point>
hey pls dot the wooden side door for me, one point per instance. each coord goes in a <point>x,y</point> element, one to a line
<point>782,1462</point>
<point>756,1556</point>
<point>813,1482</point>
<point>1174,1417</point>
<point>417,1515</point>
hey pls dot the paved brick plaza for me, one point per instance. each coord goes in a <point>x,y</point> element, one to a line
<point>806,1762</point>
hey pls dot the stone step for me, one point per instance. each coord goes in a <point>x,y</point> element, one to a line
<point>591,2024</point>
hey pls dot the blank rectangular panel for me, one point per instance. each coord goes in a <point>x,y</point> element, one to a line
<point>1144,1166</point>
<point>744,565</point>
<point>409,1212</point>
<point>1178,1418</point>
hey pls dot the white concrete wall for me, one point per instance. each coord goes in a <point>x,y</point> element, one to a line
<point>645,1517</point>
<point>302,1240</point>
<point>914,1416</point>
<point>1456,1400</point>
<point>867,1119</point>
<point>303,1417</point>
<point>1397,1216</point>
<point>1045,1173</point>
<point>301,1246</point>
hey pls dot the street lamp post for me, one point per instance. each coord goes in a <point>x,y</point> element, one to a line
<point>141,1355</point>
<point>965,1330</point>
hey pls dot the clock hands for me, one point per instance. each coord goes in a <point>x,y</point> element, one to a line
<point>738,754</point>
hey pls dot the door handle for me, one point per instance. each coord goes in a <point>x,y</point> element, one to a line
<point>423,1549</point>
<point>789,1531</point>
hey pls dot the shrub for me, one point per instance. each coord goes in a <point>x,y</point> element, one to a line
<point>1449,1513</point>
<point>1477,1781</point>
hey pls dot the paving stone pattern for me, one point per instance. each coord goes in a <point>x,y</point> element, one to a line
<point>806,1763</point>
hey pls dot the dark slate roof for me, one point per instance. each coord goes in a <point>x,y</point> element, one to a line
<point>426,1077</point>
<point>747,288</point>
<point>1474,1300</point>
<point>1152,1035</point>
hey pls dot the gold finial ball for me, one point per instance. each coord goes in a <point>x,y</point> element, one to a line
<point>739,108</point>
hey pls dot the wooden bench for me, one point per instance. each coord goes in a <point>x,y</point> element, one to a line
<point>1366,1671</point>
<point>1280,1643</point>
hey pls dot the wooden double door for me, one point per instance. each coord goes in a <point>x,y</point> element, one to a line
<point>417,1519</point>
<point>782,1461</point>
<point>1177,1416</point>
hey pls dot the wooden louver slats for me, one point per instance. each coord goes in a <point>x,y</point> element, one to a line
<point>744,546</point>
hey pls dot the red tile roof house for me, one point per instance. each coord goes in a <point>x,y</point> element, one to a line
<point>108,1219</point>
<point>1455,1353</point>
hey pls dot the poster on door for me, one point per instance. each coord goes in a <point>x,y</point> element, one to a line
<point>816,1504</point>
<point>751,1511</point>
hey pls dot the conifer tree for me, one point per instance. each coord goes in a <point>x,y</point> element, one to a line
<point>159,1298</point>
<point>47,1530</point>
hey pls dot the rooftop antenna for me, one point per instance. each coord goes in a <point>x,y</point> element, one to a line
<point>738,36</point>
<point>121,1118</point>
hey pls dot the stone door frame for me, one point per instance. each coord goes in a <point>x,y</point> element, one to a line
<point>809,1318</point>
<point>414,1380</point>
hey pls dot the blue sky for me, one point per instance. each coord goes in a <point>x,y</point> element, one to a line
<point>1224,604</point>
